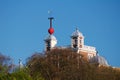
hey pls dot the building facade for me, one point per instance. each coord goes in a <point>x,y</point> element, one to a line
<point>88,53</point>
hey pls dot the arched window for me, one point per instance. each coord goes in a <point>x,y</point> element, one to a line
<point>48,45</point>
<point>75,42</point>
<point>80,46</point>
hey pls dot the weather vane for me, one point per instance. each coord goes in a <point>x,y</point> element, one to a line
<point>51,29</point>
<point>50,13</point>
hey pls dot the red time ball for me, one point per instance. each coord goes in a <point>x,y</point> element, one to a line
<point>51,30</point>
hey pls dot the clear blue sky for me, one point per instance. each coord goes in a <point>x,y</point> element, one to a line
<point>24,25</point>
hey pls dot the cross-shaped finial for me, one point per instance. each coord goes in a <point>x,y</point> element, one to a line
<point>76,28</point>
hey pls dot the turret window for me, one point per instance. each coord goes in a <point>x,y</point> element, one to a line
<point>80,41</point>
<point>48,43</point>
<point>75,41</point>
<point>80,46</point>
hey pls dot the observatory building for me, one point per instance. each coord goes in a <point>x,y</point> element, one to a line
<point>77,44</point>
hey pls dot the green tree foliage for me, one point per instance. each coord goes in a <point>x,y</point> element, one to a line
<point>64,64</point>
<point>16,76</point>
<point>5,64</point>
<point>19,74</point>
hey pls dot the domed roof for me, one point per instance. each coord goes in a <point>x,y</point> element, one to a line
<point>51,37</point>
<point>99,59</point>
<point>77,33</point>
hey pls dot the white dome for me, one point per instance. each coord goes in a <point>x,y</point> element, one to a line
<point>77,33</point>
<point>99,59</point>
<point>51,37</point>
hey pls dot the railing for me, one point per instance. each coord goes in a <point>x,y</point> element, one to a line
<point>90,48</point>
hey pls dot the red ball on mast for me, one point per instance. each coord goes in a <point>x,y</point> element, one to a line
<point>51,30</point>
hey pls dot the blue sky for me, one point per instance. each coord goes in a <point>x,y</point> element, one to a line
<point>24,25</point>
